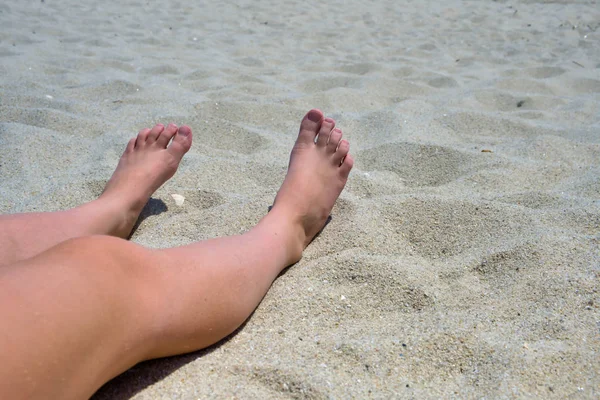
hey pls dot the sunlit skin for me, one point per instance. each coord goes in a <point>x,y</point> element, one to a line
<point>80,304</point>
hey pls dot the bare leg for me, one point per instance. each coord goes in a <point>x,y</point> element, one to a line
<point>88,309</point>
<point>145,165</point>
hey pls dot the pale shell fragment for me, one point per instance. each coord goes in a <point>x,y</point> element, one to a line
<point>179,199</point>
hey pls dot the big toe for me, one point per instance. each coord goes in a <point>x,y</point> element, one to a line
<point>181,142</point>
<point>310,125</point>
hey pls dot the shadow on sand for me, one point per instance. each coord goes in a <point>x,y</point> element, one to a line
<point>152,207</point>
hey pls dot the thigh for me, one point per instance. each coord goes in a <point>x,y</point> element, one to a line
<point>75,316</point>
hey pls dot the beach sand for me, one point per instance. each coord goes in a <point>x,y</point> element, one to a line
<point>462,260</point>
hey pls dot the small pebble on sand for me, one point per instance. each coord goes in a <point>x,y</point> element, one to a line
<point>179,199</point>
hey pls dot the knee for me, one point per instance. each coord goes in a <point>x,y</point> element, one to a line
<point>116,265</point>
<point>103,251</point>
<point>94,241</point>
<point>97,243</point>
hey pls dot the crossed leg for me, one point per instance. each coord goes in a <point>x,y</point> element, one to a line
<point>89,308</point>
<point>147,163</point>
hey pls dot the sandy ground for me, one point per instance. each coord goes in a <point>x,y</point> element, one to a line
<point>462,259</point>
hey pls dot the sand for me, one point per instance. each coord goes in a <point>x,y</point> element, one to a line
<point>462,260</point>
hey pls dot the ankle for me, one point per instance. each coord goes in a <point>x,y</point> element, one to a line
<point>285,227</point>
<point>119,216</point>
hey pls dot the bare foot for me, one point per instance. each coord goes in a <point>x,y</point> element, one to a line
<point>148,162</point>
<point>316,176</point>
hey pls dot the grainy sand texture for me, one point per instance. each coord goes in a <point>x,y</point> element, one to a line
<point>462,260</point>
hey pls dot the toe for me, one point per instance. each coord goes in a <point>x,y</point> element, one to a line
<point>334,140</point>
<point>142,137</point>
<point>326,127</point>
<point>155,132</point>
<point>181,142</point>
<point>309,127</point>
<point>130,146</point>
<point>341,152</point>
<point>346,165</point>
<point>166,136</point>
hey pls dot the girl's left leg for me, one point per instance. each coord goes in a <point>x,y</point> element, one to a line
<point>147,163</point>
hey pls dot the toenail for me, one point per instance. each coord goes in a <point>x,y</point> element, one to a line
<point>314,116</point>
<point>184,132</point>
<point>329,120</point>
